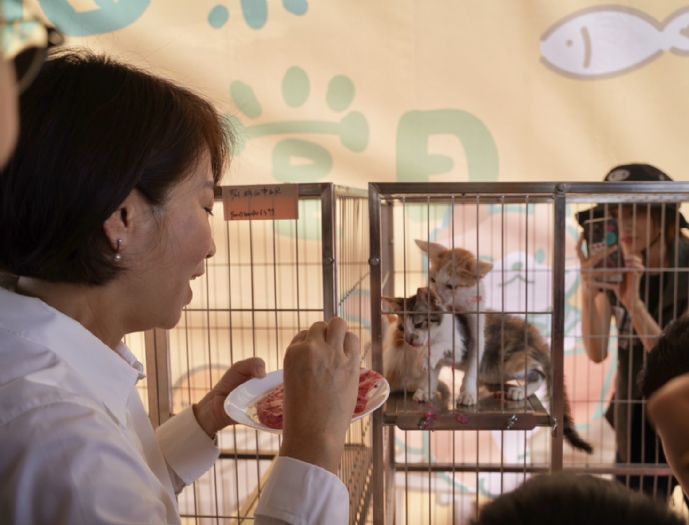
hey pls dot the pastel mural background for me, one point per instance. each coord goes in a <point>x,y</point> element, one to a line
<point>352,91</point>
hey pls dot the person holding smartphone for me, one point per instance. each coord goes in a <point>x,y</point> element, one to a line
<point>643,293</point>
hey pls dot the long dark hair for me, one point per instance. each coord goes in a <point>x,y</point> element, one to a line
<point>93,130</point>
<point>568,499</point>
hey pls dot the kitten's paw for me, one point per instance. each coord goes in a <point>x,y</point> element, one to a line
<point>466,398</point>
<point>515,393</point>
<point>421,396</point>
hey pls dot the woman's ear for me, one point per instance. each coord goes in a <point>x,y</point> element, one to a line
<point>116,228</point>
<point>120,226</point>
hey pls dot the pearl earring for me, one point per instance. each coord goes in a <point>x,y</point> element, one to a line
<point>118,255</point>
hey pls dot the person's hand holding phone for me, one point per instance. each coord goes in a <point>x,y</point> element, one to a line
<point>624,283</point>
<point>593,277</point>
<point>628,290</point>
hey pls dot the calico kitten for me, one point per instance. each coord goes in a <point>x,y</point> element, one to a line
<point>496,350</point>
<point>424,340</point>
<point>428,337</point>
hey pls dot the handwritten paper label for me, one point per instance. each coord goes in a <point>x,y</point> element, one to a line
<point>264,202</point>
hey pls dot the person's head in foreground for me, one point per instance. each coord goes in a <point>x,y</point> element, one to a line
<point>109,191</point>
<point>668,359</point>
<point>569,499</point>
<point>24,44</point>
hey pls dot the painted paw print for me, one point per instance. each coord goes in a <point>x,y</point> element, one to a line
<point>255,12</point>
<point>296,159</point>
<point>93,18</point>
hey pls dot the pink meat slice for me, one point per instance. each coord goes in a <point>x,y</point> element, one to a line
<point>269,407</point>
<point>368,382</point>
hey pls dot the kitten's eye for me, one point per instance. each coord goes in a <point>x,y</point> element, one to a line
<point>449,287</point>
<point>433,280</point>
<point>420,325</point>
<point>400,328</point>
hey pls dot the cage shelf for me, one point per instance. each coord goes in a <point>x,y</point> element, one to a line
<point>490,413</point>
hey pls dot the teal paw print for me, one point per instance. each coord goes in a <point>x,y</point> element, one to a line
<point>111,15</point>
<point>255,12</point>
<point>297,160</point>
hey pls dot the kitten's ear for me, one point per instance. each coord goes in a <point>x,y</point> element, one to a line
<point>482,268</point>
<point>423,292</point>
<point>434,298</point>
<point>433,249</point>
<point>391,305</point>
<point>428,295</point>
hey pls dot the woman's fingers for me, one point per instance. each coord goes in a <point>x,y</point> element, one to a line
<point>299,337</point>
<point>241,372</point>
<point>599,255</point>
<point>633,261</point>
<point>603,285</point>
<point>352,348</point>
<point>580,250</point>
<point>317,331</point>
<point>595,256</point>
<point>335,333</point>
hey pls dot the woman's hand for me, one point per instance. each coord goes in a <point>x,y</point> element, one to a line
<point>210,412</point>
<point>592,278</point>
<point>628,290</point>
<point>321,383</point>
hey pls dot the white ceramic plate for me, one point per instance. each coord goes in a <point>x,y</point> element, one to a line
<point>240,405</point>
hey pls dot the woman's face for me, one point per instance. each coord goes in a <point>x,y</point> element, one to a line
<point>638,230</point>
<point>9,122</point>
<point>179,242</point>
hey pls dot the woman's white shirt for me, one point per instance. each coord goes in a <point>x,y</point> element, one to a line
<point>76,445</point>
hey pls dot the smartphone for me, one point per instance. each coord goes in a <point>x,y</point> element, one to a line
<point>602,232</point>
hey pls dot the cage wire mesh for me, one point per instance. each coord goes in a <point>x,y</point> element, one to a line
<point>419,463</point>
<point>448,461</point>
<point>609,395</point>
<point>267,281</point>
<point>441,462</point>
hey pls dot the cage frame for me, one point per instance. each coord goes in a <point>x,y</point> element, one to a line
<point>380,473</point>
<point>381,195</point>
<point>157,341</point>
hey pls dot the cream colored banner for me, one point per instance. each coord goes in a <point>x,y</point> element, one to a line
<point>352,91</point>
<point>434,90</point>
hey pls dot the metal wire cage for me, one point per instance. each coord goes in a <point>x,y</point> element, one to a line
<point>267,280</point>
<point>438,462</point>
<point>417,463</point>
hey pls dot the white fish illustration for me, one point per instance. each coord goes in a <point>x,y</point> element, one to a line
<point>606,41</point>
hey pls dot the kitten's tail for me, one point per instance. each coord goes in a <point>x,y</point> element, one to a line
<point>569,430</point>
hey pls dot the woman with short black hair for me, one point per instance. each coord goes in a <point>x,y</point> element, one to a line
<point>104,212</point>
